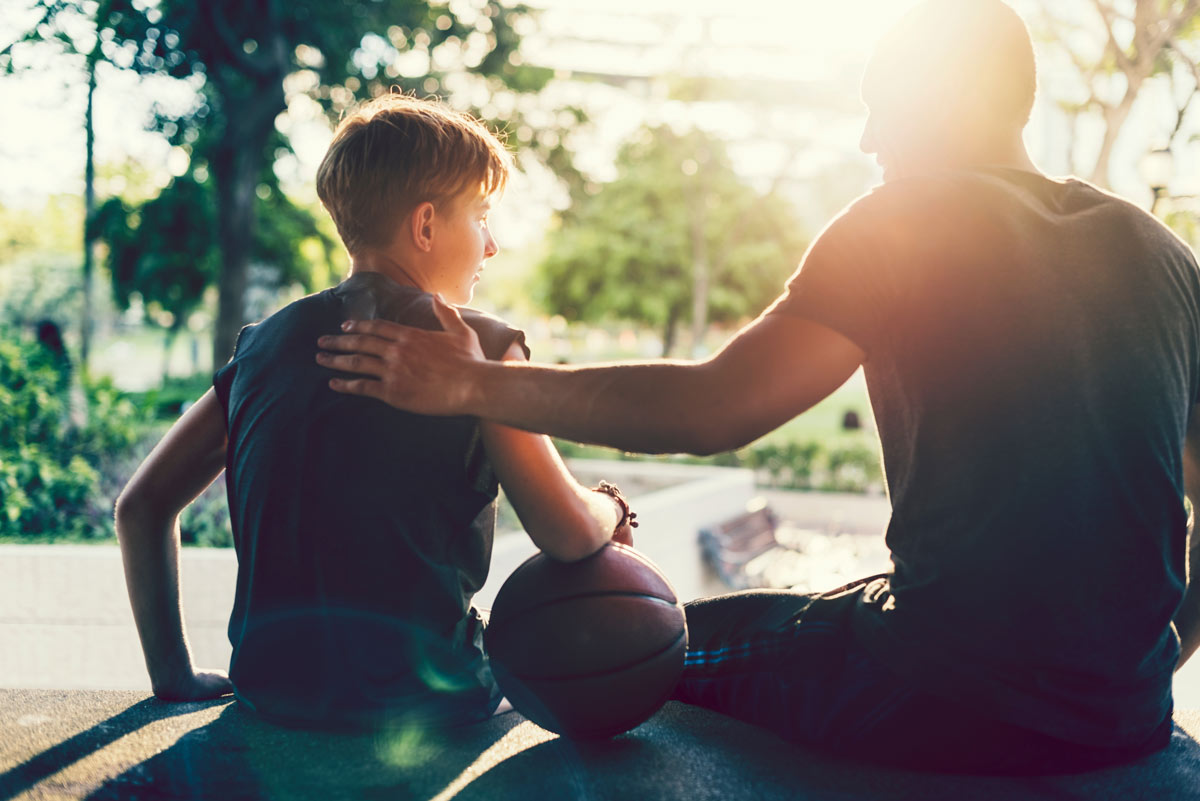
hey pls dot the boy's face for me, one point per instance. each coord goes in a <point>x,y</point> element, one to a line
<point>461,245</point>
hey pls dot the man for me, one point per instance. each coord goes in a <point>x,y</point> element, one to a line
<point>1032,350</point>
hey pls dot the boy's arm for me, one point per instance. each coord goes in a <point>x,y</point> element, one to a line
<point>183,463</point>
<point>772,370</point>
<point>1187,619</point>
<point>564,519</point>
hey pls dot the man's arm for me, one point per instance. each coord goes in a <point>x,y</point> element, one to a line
<point>186,461</point>
<point>1187,619</point>
<point>772,370</point>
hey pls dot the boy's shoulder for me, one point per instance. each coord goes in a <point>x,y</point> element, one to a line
<point>496,336</point>
<point>367,296</point>
<point>297,318</point>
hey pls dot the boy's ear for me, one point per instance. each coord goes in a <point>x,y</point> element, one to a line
<point>421,226</point>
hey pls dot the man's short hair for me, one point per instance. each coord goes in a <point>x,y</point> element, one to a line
<point>396,152</point>
<point>944,52</point>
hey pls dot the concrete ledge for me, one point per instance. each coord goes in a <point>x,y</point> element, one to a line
<point>125,745</point>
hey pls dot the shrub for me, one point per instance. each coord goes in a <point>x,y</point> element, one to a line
<point>57,437</point>
<point>853,468</point>
<point>168,401</point>
<point>205,521</point>
<point>849,465</point>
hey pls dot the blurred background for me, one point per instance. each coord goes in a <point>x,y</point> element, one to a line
<point>156,190</point>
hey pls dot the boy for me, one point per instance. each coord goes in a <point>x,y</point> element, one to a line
<point>361,532</point>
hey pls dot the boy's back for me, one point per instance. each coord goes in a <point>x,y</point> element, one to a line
<point>353,595</point>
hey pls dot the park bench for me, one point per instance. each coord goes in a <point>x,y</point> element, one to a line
<point>729,547</point>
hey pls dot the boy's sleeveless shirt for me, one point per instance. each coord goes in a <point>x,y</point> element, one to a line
<point>361,531</point>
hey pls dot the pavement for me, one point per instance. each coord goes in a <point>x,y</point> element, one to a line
<point>126,746</point>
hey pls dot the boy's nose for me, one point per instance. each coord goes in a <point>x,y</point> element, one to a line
<point>490,247</point>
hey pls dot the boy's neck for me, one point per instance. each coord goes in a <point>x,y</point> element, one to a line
<point>375,261</point>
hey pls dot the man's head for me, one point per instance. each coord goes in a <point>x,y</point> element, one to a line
<point>396,153</point>
<point>952,83</point>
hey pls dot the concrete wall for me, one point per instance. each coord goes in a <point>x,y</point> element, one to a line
<point>65,620</point>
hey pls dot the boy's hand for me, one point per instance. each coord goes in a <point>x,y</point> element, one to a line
<point>420,371</point>
<point>200,685</point>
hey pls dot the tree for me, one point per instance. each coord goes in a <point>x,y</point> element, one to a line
<point>248,58</point>
<point>46,29</point>
<point>1143,41</point>
<point>165,249</point>
<point>678,235</point>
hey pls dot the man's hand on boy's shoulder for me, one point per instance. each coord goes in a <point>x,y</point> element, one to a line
<point>200,685</point>
<point>409,368</point>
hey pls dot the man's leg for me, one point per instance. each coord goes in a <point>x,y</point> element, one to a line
<point>786,661</point>
<point>789,662</point>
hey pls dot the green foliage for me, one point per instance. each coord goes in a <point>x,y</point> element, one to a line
<point>244,60</point>
<point>163,249</point>
<point>51,461</point>
<point>838,466</point>
<point>205,521</point>
<point>629,249</point>
<point>39,262</point>
<point>166,250</point>
<point>1186,223</point>
<point>167,401</point>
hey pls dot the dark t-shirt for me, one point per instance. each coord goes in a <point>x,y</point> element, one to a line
<point>361,532</point>
<point>1033,356</point>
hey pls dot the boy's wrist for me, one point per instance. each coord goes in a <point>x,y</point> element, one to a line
<point>625,515</point>
<point>170,680</point>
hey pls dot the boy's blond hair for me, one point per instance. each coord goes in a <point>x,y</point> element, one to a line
<point>396,152</point>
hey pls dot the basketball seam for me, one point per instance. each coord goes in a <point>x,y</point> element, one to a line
<point>577,676</point>
<point>508,619</point>
<point>632,552</point>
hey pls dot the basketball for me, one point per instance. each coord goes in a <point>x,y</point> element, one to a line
<point>589,648</point>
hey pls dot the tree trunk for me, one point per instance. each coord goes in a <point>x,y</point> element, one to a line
<point>698,217</point>
<point>236,164</point>
<point>169,338</point>
<point>235,168</point>
<point>1114,121</point>
<point>700,281</point>
<point>669,329</point>
<point>86,323</point>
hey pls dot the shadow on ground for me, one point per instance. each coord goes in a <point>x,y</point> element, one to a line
<point>113,745</point>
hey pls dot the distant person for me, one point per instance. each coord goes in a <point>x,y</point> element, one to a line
<point>54,348</point>
<point>361,532</point>
<point>1032,351</point>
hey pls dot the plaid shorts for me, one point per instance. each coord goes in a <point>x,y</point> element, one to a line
<point>790,662</point>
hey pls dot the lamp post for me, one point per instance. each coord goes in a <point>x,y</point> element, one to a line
<point>1157,168</point>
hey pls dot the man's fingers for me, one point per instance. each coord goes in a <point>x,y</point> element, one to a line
<point>449,317</point>
<point>352,363</point>
<point>367,387</point>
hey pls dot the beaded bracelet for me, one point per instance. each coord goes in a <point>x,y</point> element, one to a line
<point>627,515</point>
